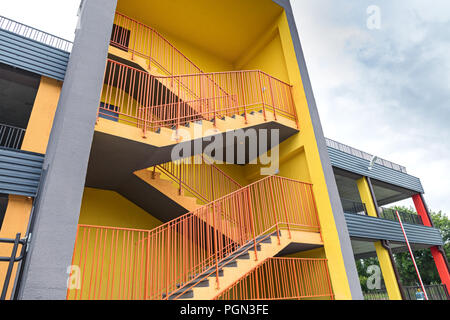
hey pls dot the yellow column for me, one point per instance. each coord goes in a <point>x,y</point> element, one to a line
<point>41,118</point>
<point>305,163</point>
<point>40,124</point>
<point>383,255</point>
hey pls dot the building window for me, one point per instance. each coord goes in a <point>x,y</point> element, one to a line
<point>120,38</point>
<point>109,112</point>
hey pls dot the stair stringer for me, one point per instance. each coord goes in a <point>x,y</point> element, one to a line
<point>231,274</point>
<point>170,190</point>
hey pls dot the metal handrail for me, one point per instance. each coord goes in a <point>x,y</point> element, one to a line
<point>281,279</point>
<point>156,264</point>
<point>11,137</point>
<point>151,102</point>
<point>200,177</point>
<point>146,42</point>
<point>363,155</point>
<point>35,34</point>
<point>376,294</point>
<point>389,214</point>
<point>434,292</point>
<point>12,259</point>
<point>354,207</point>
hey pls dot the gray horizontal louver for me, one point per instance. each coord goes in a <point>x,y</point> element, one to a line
<point>32,56</point>
<point>360,226</point>
<point>351,163</point>
<point>20,172</point>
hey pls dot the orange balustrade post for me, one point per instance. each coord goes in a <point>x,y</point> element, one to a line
<point>282,194</point>
<point>243,97</point>
<point>262,96</point>
<point>252,224</point>
<point>273,100</point>
<point>274,209</point>
<point>216,245</point>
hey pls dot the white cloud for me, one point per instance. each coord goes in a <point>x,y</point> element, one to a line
<point>58,17</point>
<point>384,91</point>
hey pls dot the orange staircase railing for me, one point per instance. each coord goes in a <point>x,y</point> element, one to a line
<point>282,279</point>
<point>137,98</point>
<point>200,177</point>
<point>143,41</point>
<point>118,263</point>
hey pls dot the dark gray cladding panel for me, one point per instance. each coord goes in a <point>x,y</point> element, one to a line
<point>33,56</point>
<point>351,163</point>
<point>366,227</point>
<point>20,172</point>
<point>59,199</point>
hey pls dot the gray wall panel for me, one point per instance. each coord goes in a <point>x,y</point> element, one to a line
<point>32,56</point>
<point>351,163</point>
<point>20,172</point>
<point>381,229</point>
<point>56,218</point>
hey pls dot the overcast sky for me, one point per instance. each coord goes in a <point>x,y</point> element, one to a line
<point>385,91</point>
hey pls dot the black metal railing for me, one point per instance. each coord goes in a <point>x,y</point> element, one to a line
<point>35,34</point>
<point>434,292</point>
<point>389,214</point>
<point>11,137</point>
<point>376,294</point>
<point>354,207</point>
<point>11,260</point>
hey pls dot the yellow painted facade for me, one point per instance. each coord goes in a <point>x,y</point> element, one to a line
<point>268,48</point>
<point>108,208</point>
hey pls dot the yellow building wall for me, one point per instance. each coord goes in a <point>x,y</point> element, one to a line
<point>108,208</point>
<point>318,253</point>
<point>117,263</point>
<point>268,57</point>
<point>206,61</point>
<point>306,141</point>
<point>300,158</point>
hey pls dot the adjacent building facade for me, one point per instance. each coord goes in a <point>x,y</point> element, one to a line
<point>175,151</point>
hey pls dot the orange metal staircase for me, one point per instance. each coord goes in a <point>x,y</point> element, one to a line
<point>174,259</point>
<point>152,88</point>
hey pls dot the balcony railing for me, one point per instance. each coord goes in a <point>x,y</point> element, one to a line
<point>145,42</point>
<point>363,155</point>
<point>283,279</point>
<point>376,294</point>
<point>434,292</point>
<point>200,177</point>
<point>354,207</point>
<point>11,137</point>
<point>35,34</point>
<point>118,263</point>
<point>137,98</point>
<point>389,214</point>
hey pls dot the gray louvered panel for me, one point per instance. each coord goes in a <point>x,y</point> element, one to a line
<point>381,229</point>
<point>20,172</point>
<point>351,163</point>
<point>33,56</point>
